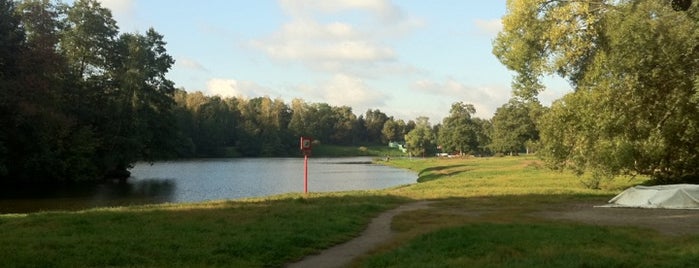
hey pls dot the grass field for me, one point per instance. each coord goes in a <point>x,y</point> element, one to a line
<point>482,218</point>
<point>324,150</point>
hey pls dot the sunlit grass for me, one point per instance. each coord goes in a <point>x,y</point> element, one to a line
<point>447,178</point>
<point>325,150</point>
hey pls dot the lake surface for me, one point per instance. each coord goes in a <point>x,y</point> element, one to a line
<point>212,179</point>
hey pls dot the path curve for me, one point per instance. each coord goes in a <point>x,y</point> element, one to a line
<point>378,231</point>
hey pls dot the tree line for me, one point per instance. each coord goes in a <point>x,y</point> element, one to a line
<point>81,101</point>
<point>211,126</point>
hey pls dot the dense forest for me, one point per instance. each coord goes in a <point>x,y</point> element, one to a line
<point>81,101</point>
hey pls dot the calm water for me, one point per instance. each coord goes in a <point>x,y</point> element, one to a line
<point>212,179</point>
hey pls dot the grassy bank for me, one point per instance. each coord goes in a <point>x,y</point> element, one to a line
<point>324,150</point>
<point>483,217</point>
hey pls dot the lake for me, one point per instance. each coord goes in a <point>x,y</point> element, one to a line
<point>211,179</point>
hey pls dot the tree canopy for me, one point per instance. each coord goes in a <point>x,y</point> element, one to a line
<point>634,68</point>
<point>80,100</point>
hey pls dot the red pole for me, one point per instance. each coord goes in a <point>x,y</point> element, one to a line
<point>305,173</point>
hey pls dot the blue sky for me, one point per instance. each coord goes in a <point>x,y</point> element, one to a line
<point>408,58</point>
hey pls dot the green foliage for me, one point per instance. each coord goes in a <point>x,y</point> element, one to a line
<point>634,68</point>
<point>462,133</point>
<point>394,130</point>
<point>374,121</point>
<point>514,126</point>
<point>80,101</point>
<point>421,140</point>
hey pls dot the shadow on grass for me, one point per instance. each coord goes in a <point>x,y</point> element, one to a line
<point>261,232</point>
<point>539,230</point>
<point>434,173</point>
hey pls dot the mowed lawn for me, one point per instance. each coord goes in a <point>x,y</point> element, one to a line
<point>482,216</point>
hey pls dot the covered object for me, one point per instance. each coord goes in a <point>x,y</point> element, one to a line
<point>675,196</point>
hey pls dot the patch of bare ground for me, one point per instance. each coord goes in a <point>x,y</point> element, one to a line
<point>667,221</point>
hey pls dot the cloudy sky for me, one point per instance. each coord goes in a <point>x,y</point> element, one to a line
<point>408,58</point>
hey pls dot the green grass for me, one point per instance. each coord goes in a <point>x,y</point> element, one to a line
<point>255,233</point>
<point>448,178</point>
<point>540,245</point>
<point>349,151</point>
<point>482,217</point>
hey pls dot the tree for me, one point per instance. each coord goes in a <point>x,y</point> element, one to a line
<point>85,102</point>
<point>420,141</point>
<point>12,37</point>
<point>374,121</point>
<point>144,97</point>
<point>634,69</point>
<point>89,37</point>
<point>344,125</point>
<point>393,130</point>
<point>513,127</point>
<point>484,130</point>
<point>458,132</point>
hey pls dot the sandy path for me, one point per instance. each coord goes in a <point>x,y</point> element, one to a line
<point>378,231</point>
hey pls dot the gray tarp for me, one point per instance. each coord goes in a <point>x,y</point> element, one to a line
<point>676,196</point>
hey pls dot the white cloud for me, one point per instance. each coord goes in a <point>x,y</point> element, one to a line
<point>119,6</point>
<point>383,8</point>
<point>347,44</point>
<point>486,99</point>
<point>488,27</point>
<point>190,64</point>
<point>343,89</point>
<point>347,90</point>
<point>311,42</point>
<point>122,10</point>
<point>233,88</point>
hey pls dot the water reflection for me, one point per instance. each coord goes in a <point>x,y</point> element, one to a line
<point>22,199</point>
<point>149,191</point>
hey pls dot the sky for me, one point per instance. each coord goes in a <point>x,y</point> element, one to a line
<point>407,58</point>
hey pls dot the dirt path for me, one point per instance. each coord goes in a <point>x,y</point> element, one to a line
<point>378,231</point>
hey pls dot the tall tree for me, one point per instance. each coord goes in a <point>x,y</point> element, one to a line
<point>392,130</point>
<point>144,97</point>
<point>12,37</point>
<point>374,121</point>
<point>634,68</point>
<point>459,132</point>
<point>344,125</point>
<point>514,127</point>
<point>421,140</point>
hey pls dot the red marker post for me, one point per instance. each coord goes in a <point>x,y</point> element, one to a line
<point>306,149</point>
